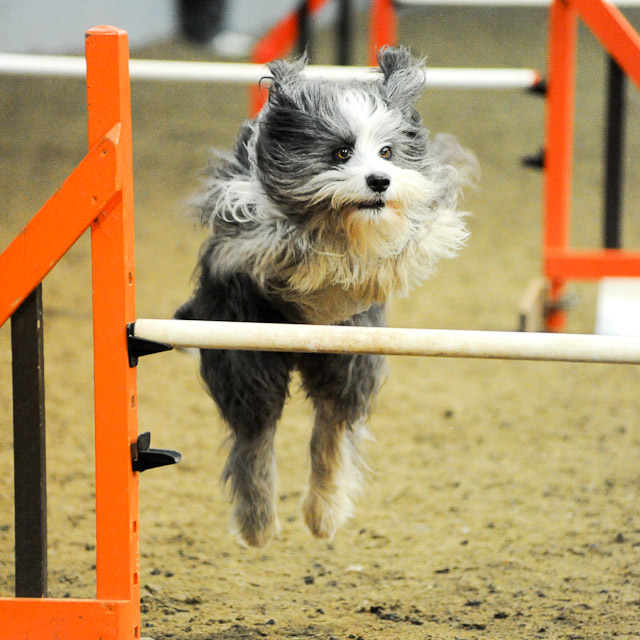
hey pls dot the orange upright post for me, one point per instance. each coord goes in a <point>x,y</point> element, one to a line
<point>112,242</point>
<point>559,139</point>
<point>382,27</point>
<point>99,194</point>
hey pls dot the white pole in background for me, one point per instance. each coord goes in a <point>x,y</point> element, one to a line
<point>247,73</point>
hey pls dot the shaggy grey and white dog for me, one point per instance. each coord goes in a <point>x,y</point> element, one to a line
<point>335,199</point>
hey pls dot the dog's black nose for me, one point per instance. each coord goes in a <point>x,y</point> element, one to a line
<point>378,182</point>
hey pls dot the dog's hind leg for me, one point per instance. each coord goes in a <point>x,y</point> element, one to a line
<point>250,389</point>
<point>342,388</point>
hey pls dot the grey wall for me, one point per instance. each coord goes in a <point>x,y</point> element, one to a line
<point>40,26</point>
<point>254,16</point>
<point>257,16</point>
<point>46,26</point>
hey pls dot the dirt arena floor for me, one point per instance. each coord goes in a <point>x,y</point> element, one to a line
<point>504,497</point>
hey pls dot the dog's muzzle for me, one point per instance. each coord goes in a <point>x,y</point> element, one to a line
<point>378,182</point>
<point>373,204</point>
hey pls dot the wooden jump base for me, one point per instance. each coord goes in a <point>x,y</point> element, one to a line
<point>390,341</point>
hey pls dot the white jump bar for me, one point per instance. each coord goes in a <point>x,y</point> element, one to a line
<point>246,73</point>
<point>391,341</point>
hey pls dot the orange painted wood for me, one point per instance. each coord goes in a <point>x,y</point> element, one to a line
<point>559,142</point>
<point>382,28</point>
<point>559,124</point>
<point>257,100</point>
<point>112,243</point>
<point>280,39</point>
<point>614,32</point>
<point>99,193</point>
<point>620,39</point>
<point>64,619</point>
<point>93,187</point>
<point>573,264</point>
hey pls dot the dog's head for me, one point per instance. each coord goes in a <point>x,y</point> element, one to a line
<point>352,158</point>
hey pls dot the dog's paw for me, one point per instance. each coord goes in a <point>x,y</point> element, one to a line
<point>325,514</point>
<point>253,529</point>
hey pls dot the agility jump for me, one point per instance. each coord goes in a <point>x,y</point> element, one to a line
<point>104,203</point>
<point>97,195</point>
<point>561,262</point>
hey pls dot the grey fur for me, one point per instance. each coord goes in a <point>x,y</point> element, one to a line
<point>300,234</point>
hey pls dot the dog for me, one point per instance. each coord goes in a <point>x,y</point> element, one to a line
<point>335,199</point>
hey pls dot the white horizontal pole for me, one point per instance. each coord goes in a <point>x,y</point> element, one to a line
<point>452,78</point>
<point>246,73</point>
<point>390,341</point>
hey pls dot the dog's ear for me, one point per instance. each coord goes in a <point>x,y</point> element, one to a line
<point>285,72</point>
<point>404,76</point>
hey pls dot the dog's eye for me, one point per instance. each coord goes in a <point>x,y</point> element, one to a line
<point>385,153</point>
<point>343,153</point>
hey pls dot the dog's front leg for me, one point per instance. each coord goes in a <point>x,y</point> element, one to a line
<point>250,388</point>
<point>253,478</point>
<point>342,388</point>
<point>336,471</point>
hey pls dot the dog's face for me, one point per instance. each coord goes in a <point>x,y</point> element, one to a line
<point>349,158</point>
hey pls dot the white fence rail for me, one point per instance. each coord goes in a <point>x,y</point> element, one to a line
<point>246,73</point>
